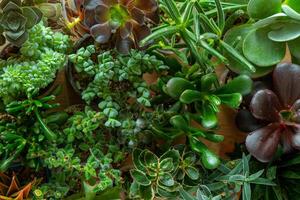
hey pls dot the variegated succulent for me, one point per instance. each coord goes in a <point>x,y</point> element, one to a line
<point>127,21</point>
<point>15,20</point>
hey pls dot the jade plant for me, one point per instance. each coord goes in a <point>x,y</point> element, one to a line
<point>15,21</point>
<point>126,21</point>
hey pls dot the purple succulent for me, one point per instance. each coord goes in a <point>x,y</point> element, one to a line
<point>281,110</point>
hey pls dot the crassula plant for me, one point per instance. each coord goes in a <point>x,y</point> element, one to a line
<point>126,21</point>
<point>280,110</point>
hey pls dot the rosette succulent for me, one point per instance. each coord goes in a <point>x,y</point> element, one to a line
<point>16,20</point>
<point>280,109</point>
<point>125,20</point>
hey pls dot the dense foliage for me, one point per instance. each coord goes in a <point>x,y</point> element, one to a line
<point>151,78</point>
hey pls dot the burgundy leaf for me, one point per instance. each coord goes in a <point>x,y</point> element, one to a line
<point>286,139</point>
<point>126,31</point>
<point>140,32</point>
<point>263,143</point>
<point>101,33</point>
<point>102,14</point>
<point>286,78</point>
<point>124,45</point>
<point>89,17</point>
<point>138,16</point>
<point>265,106</point>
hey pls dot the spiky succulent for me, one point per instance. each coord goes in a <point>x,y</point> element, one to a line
<point>125,20</point>
<point>16,20</point>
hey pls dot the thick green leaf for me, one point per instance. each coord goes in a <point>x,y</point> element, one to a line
<point>262,51</point>
<point>140,177</point>
<point>263,181</point>
<point>285,32</point>
<point>179,122</point>
<point>235,37</point>
<point>147,192</point>
<point>232,100</point>
<point>241,84</point>
<point>246,191</point>
<point>166,165</point>
<point>290,12</point>
<point>259,9</point>
<point>176,86</point>
<point>294,4</point>
<point>174,154</point>
<point>209,117</point>
<point>150,159</point>
<point>136,159</point>
<point>166,179</point>
<point>210,160</point>
<point>192,172</point>
<point>190,96</point>
<point>294,47</point>
<point>256,175</point>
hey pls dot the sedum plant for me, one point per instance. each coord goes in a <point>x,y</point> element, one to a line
<point>15,21</point>
<point>42,55</point>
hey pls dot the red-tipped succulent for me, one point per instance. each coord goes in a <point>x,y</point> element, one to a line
<point>281,110</point>
<point>125,20</point>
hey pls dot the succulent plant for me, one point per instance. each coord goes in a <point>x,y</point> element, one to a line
<point>126,20</point>
<point>10,188</point>
<point>16,20</point>
<point>280,110</point>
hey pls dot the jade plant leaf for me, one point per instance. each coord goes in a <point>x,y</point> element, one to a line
<point>262,51</point>
<point>241,84</point>
<point>190,96</point>
<point>176,86</point>
<point>290,12</point>
<point>235,37</point>
<point>294,4</point>
<point>285,32</point>
<point>259,9</point>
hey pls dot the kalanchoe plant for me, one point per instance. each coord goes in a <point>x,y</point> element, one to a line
<point>280,109</point>
<point>16,20</point>
<point>126,21</point>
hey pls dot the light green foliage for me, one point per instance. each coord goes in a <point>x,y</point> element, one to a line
<point>42,55</point>
<point>116,79</point>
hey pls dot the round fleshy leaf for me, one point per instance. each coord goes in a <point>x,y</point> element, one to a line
<point>294,47</point>
<point>296,139</point>
<point>259,9</point>
<point>246,122</point>
<point>33,16</point>
<point>294,4</point>
<point>263,143</point>
<point>126,30</point>
<point>290,12</point>
<point>19,41</point>
<point>210,160</point>
<point>241,84</point>
<point>265,105</point>
<point>280,17</point>
<point>286,80</point>
<point>101,33</point>
<point>235,37</point>
<point>285,32</point>
<point>138,16</point>
<point>124,45</point>
<point>102,13</point>
<point>176,86</point>
<point>262,51</point>
<point>141,32</point>
<point>140,177</point>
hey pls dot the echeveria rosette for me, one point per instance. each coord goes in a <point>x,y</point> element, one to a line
<point>126,19</point>
<point>281,109</point>
<point>16,20</point>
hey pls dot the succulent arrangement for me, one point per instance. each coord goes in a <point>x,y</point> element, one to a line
<point>130,99</point>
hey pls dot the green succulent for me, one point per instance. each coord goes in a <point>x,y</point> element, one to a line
<point>16,20</point>
<point>154,176</point>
